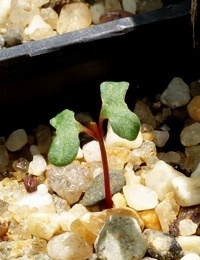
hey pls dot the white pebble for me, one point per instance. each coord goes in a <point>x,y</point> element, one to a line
<point>43,225</point>
<point>130,5</point>
<point>38,25</point>
<point>139,197</point>
<point>97,9</point>
<point>113,139</point>
<point>37,199</point>
<point>16,140</point>
<point>160,177</point>
<point>91,151</point>
<point>191,256</point>
<point>189,244</point>
<point>187,227</point>
<point>73,16</point>
<point>69,245</point>
<point>37,166</point>
<point>79,154</point>
<point>4,10</point>
<point>187,190</point>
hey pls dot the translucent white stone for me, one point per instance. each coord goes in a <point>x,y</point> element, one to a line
<point>118,200</point>
<point>4,10</point>
<point>74,16</point>
<point>37,199</point>
<point>37,166</point>
<point>43,225</point>
<point>130,5</point>
<point>189,244</point>
<point>97,9</point>
<point>38,29</point>
<point>167,211</point>
<point>132,178</point>
<point>160,177</point>
<point>22,12</point>
<point>79,154</point>
<point>113,139</point>
<point>40,3</point>
<point>191,256</point>
<point>69,245</point>
<point>187,190</point>
<point>139,197</point>
<point>49,16</point>
<point>146,150</point>
<point>66,218</point>
<point>187,227</point>
<point>91,151</point>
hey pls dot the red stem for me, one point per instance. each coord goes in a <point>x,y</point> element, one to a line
<point>105,166</point>
<point>97,133</point>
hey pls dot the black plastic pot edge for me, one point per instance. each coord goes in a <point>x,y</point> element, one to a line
<point>109,29</point>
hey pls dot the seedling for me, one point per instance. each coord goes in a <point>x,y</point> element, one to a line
<point>125,124</point>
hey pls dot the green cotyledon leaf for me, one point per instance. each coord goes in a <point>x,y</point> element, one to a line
<point>65,144</point>
<point>124,122</point>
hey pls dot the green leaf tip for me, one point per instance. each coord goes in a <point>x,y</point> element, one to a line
<point>123,121</point>
<point>65,144</point>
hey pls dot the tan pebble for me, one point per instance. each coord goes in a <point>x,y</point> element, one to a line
<point>193,108</point>
<point>150,219</point>
<point>119,200</point>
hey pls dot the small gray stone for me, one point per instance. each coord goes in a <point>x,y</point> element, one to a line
<point>120,238</point>
<point>96,191</point>
<point>176,94</point>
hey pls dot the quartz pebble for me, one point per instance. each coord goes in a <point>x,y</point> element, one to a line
<point>69,182</point>
<point>91,151</point>
<point>189,244</point>
<point>16,140</point>
<point>167,211</point>
<point>140,197</point>
<point>176,94</point>
<point>73,16</point>
<point>187,227</point>
<point>37,166</point>
<point>190,135</point>
<point>43,225</point>
<point>191,256</point>
<point>112,244</point>
<point>160,178</point>
<point>69,245</point>
<point>187,190</point>
<point>37,199</point>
